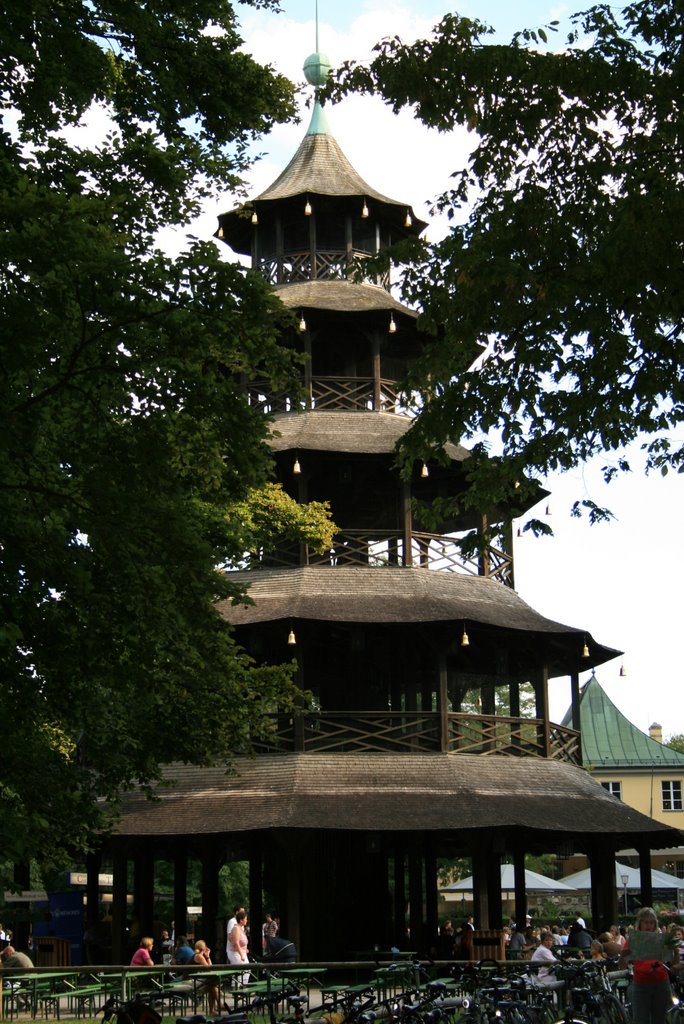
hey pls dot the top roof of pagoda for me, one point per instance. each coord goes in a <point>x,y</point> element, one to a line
<point>610,740</point>
<point>319,167</point>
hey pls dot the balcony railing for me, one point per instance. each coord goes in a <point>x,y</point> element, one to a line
<point>413,732</point>
<point>323,265</point>
<point>347,394</point>
<point>387,548</point>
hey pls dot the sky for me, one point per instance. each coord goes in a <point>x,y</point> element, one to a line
<point>619,581</point>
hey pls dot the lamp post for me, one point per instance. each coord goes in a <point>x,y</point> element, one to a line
<point>624,879</point>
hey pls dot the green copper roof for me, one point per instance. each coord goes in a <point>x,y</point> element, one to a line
<point>319,122</point>
<point>610,740</point>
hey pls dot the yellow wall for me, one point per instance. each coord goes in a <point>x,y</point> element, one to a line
<point>643,792</point>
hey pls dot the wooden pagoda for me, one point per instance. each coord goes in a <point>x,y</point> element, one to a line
<point>403,756</point>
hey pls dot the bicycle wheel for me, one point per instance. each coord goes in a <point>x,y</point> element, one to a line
<point>612,1010</point>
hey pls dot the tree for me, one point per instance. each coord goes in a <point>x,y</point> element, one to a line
<point>126,438</point>
<point>676,742</point>
<point>563,266</point>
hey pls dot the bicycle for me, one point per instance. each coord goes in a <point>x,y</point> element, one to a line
<point>593,1005</point>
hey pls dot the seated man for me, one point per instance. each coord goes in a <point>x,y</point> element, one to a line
<point>542,954</point>
<point>10,958</point>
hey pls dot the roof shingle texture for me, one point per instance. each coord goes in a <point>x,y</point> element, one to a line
<point>378,594</point>
<point>340,297</point>
<point>374,433</point>
<point>319,167</point>
<point>395,792</point>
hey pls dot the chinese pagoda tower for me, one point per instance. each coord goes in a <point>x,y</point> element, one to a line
<point>402,756</point>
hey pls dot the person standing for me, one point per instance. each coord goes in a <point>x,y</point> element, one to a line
<point>651,994</point>
<point>238,943</point>
<point>229,927</point>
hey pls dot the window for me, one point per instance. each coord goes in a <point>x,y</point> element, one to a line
<point>679,868</point>
<point>672,796</point>
<point>614,788</point>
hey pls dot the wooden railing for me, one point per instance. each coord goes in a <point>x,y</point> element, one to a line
<point>387,548</point>
<point>347,394</point>
<point>419,731</point>
<point>325,265</point>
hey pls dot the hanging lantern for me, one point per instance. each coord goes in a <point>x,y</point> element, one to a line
<point>425,472</point>
<point>302,324</point>
<point>465,639</point>
<point>408,222</point>
<point>255,218</point>
<point>307,209</point>
<point>296,469</point>
<point>392,329</point>
<point>364,210</point>
<point>220,231</point>
<point>585,649</point>
<point>291,638</point>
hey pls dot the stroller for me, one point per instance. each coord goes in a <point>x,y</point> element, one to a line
<point>279,951</point>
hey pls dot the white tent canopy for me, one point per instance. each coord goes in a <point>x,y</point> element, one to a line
<point>659,879</point>
<point>534,882</point>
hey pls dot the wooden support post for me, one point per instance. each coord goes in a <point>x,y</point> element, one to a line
<point>431,895</point>
<point>603,888</point>
<point>645,877</point>
<point>416,921</point>
<point>443,704</point>
<point>408,524</point>
<point>180,891</point>
<point>256,896</point>
<point>541,689</point>
<point>119,894</point>
<point>520,887</point>
<point>399,895</point>
<point>375,355</point>
<point>209,888</point>
<point>480,885</point>
<point>143,890</point>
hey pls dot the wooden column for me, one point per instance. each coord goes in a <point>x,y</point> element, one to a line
<point>603,888</point>
<point>494,900</point>
<point>119,893</point>
<point>645,878</point>
<point>256,896</point>
<point>443,704</point>
<point>93,863</point>
<point>375,356</point>
<point>415,873</point>
<point>408,523</point>
<point>143,891</point>
<point>209,889</point>
<point>541,689</point>
<point>180,891</point>
<point>431,896</point>
<point>575,700</point>
<point>520,887</point>
<point>480,885</point>
<point>399,895</point>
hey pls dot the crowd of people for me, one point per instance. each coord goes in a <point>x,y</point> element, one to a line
<point>650,960</point>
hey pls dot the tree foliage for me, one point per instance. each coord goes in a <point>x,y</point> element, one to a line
<point>126,439</point>
<point>563,264</point>
<point>677,742</point>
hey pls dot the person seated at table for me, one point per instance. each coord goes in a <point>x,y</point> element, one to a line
<point>202,957</point>
<point>543,955</point>
<point>184,951</point>
<point>143,954</point>
<point>9,957</point>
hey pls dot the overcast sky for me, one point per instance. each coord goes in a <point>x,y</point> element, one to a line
<point>618,581</point>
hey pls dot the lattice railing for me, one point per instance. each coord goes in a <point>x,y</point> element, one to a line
<point>330,264</point>
<point>352,394</point>
<point>379,548</point>
<point>419,731</point>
